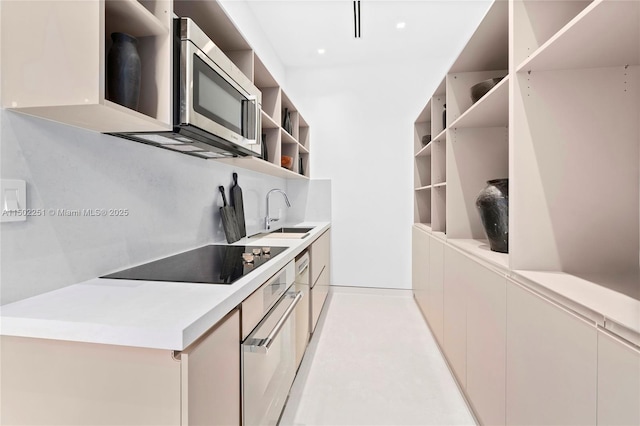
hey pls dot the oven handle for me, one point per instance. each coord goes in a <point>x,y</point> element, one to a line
<point>265,344</point>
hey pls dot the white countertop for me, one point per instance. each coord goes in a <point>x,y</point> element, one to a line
<point>158,315</point>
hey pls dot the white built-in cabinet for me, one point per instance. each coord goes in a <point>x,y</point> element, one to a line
<point>56,70</point>
<point>57,382</point>
<point>211,376</point>
<point>552,362</point>
<point>320,275</point>
<point>420,260</point>
<point>557,319</point>
<point>436,288</point>
<point>618,381</point>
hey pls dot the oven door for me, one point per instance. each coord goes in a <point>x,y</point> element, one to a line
<point>268,363</point>
<point>214,102</point>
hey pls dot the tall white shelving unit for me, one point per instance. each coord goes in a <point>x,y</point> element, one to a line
<point>564,126</point>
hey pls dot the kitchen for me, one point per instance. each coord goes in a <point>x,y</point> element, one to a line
<point>81,169</point>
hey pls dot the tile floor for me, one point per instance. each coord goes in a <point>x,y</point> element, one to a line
<point>373,362</point>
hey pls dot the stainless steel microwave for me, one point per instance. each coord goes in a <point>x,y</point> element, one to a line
<point>216,110</point>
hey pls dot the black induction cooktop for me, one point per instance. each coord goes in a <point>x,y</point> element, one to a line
<point>213,264</point>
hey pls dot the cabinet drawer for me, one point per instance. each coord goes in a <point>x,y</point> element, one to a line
<point>256,306</point>
<point>320,255</point>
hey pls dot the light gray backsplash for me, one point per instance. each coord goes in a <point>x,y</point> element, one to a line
<point>172,200</point>
<point>310,200</point>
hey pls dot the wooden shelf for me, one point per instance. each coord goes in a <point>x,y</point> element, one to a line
<point>580,45</point>
<point>261,166</point>
<point>480,249</point>
<point>424,226</point>
<point>268,122</point>
<point>423,188</point>
<point>302,149</point>
<point>440,137</point>
<point>439,185</point>
<point>492,110</point>
<point>425,152</point>
<point>287,138</point>
<point>131,17</point>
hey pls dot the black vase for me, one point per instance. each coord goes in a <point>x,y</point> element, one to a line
<point>123,71</point>
<point>286,121</point>
<point>444,116</point>
<point>493,205</point>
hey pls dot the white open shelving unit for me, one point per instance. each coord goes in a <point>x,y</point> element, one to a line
<point>57,70</point>
<point>36,81</point>
<point>563,126</point>
<point>471,147</point>
<point>575,141</point>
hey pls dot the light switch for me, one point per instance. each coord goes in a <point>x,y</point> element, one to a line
<point>14,200</point>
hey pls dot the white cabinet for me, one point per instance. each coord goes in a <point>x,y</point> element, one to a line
<point>211,376</point>
<point>435,303</point>
<point>486,342</point>
<point>53,382</point>
<point>420,269</point>
<point>320,275</point>
<point>56,382</point>
<point>455,312</point>
<point>618,381</point>
<point>551,363</point>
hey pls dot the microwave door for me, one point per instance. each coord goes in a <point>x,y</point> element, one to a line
<point>213,102</point>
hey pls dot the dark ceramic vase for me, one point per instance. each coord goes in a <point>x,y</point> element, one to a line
<point>493,206</point>
<point>123,71</point>
<point>286,121</point>
<point>444,116</point>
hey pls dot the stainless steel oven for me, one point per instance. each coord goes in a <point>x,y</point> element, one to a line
<point>269,348</point>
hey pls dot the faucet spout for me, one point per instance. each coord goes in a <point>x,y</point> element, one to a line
<point>268,219</point>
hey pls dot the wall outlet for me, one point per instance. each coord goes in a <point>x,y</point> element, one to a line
<point>14,200</point>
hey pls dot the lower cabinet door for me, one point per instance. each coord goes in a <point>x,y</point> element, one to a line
<point>420,269</point>
<point>435,288</point>
<point>211,376</point>
<point>54,382</point>
<point>455,313</point>
<point>551,363</point>
<point>486,342</point>
<point>319,294</point>
<point>618,381</point>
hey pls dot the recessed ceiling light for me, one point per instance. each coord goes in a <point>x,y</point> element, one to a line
<point>321,51</point>
<point>401,25</point>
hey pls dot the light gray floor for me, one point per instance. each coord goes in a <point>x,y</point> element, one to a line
<point>374,362</point>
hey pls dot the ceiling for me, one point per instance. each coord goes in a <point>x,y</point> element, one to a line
<point>434,29</point>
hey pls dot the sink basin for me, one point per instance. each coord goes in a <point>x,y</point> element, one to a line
<point>291,231</point>
<point>295,233</point>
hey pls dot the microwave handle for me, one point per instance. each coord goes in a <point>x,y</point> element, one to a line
<point>258,121</point>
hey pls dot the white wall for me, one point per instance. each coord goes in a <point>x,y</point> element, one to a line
<point>172,200</point>
<point>361,122</point>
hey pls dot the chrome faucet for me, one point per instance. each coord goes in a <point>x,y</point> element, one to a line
<point>268,219</point>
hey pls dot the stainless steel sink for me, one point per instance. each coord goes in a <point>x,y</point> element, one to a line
<point>291,230</point>
<point>295,233</point>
